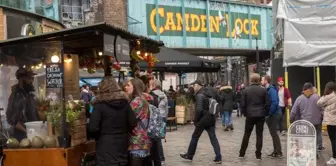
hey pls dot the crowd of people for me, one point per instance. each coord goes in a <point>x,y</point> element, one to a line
<point>121,115</point>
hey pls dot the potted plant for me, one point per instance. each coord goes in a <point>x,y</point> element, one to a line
<point>180,108</point>
<point>43,106</point>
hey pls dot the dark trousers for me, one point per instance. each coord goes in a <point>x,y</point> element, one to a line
<point>249,124</point>
<point>213,139</point>
<point>138,161</point>
<point>283,115</point>
<point>272,123</point>
<point>332,137</point>
<point>155,152</point>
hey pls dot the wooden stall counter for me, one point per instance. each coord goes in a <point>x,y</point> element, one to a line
<point>48,157</point>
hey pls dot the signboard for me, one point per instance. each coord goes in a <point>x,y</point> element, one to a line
<point>122,47</point>
<point>221,23</point>
<point>54,75</point>
<point>301,144</point>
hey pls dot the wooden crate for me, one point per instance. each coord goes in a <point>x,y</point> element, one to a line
<point>180,114</point>
<point>78,132</point>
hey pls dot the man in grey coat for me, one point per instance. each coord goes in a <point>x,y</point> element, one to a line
<point>306,108</point>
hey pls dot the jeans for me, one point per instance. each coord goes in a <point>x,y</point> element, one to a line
<point>162,158</point>
<point>213,139</point>
<point>238,109</point>
<point>155,152</point>
<point>250,122</point>
<point>227,118</point>
<point>319,140</point>
<point>332,137</point>
<point>283,115</point>
<point>272,123</point>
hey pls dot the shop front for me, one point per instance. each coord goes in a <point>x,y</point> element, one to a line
<point>43,70</point>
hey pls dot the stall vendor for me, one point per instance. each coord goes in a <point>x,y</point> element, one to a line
<point>21,103</point>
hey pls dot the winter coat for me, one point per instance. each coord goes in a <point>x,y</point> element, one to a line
<point>328,102</point>
<point>21,109</point>
<point>110,124</point>
<point>238,95</point>
<point>85,95</point>
<point>255,101</point>
<point>202,116</point>
<point>274,99</point>
<point>226,99</point>
<point>163,102</point>
<point>306,108</point>
<point>139,139</point>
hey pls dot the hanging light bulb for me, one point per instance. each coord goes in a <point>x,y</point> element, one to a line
<point>100,53</point>
<point>68,58</point>
<point>40,65</point>
<point>138,52</point>
<point>1,65</point>
<point>24,66</point>
<point>44,66</point>
<point>55,59</point>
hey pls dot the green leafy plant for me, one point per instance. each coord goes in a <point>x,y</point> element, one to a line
<point>181,100</point>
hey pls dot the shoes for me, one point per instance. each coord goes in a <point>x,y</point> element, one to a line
<point>217,161</point>
<point>231,127</point>
<point>283,133</point>
<point>186,157</point>
<point>320,149</point>
<point>275,155</point>
<point>163,163</point>
<point>332,161</point>
<point>258,157</point>
<point>227,128</point>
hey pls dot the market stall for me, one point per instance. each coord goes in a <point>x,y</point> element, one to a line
<point>45,121</point>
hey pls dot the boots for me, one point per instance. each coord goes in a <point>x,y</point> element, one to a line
<point>231,127</point>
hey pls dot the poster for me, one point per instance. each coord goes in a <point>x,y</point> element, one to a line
<point>301,144</point>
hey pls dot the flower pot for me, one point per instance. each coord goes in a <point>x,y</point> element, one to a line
<point>42,116</point>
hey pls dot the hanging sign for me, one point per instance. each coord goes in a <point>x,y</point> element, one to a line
<point>54,75</point>
<point>301,144</point>
<point>122,47</point>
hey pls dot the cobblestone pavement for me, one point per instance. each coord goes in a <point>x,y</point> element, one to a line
<point>178,141</point>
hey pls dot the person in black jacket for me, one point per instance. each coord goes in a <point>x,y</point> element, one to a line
<point>226,100</point>
<point>238,94</point>
<point>255,105</point>
<point>203,121</point>
<point>110,124</point>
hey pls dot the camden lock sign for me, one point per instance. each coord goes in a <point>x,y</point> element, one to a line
<point>301,144</point>
<point>221,23</point>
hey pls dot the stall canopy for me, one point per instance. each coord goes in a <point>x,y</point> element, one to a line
<point>83,41</point>
<point>171,60</point>
<point>310,34</point>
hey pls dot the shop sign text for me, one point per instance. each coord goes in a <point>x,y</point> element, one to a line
<point>221,23</point>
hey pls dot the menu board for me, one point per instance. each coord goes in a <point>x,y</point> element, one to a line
<point>54,75</point>
<point>301,144</point>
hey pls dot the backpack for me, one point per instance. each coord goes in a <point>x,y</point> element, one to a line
<point>213,106</point>
<point>156,125</point>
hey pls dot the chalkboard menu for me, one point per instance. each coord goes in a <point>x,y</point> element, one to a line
<point>54,75</point>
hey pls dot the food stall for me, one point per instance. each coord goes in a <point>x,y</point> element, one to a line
<point>42,70</point>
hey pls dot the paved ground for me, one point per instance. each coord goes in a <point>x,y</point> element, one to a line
<point>178,141</point>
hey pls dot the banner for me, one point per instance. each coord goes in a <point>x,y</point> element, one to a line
<point>309,36</point>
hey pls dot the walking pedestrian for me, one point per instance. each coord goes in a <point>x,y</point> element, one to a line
<point>111,123</point>
<point>139,141</point>
<point>327,101</point>
<point>203,121</point>
<point>163,107</point>
<point>285,101</point>
<point>274,116</point>
<point>255,106</point>
<point>226,98</point>
<point>306,108</point>
<point>238,94</point>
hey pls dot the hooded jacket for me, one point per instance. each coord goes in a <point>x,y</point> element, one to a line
<point>328,102</point>
<point>162,102</point>
<point>226,98</point>
<point>306,108</point>
<point>255,101</point>
<point>110,124</point>
<point>274,99</point>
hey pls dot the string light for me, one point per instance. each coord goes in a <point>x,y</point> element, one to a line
<point>138,52</point>
<point>24,66</point>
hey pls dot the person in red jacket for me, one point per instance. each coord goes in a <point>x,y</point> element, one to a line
<point>285,101</point>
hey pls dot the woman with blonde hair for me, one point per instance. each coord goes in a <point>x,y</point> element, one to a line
<point>139,142</point>
<point>110,124</point>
